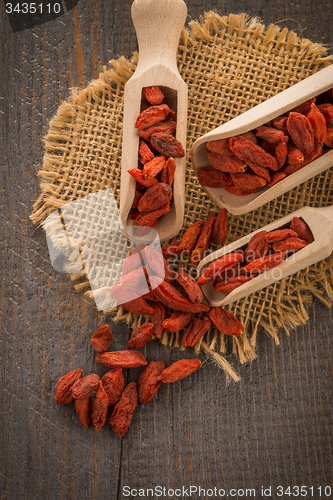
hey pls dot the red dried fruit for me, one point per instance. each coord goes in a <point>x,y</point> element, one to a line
<point>167,145</point>
<point>190,237</point>
<point>99,407</point>
<point>220,227</point>
<point>168,171</point>
<point>145,153</point>
<point>157,319</point>
<point>281,152</point>
<point>228,164</point>
<point>101,339</point>
<point>225,321</point>
<point>135,281</point>
<point>130,300</point>
<point>153,94</point>
<point>223,286</point>
<point>113,384</point>
<point>263,172</point>
<point>195,331</point>
<point>63,392</point>
<point>276,177</point>
<point>153,167</point>
<point>271,134</point>
<point>218,266</point>
<point>177,321</point>
<point>327,110</point>
<point>141,336</point>
<point>246,151</point>
<point>85,386</point>
<point>315,153</point>
<point>121,359</point>
<point>300,131</point>
<point>203,240</point>
<point>151,116</point>
<point>247,181</point>
<point>155,197</point>
<point>123,411</point>
<point>329,138</point>
<point>136,199</point>
<point>239,191</point>
<point>170,250</point>
<point>294,154</point>
<point>290,244</point>
<point>171,297</point>
<point>138,175</point>
<point>221,147</point>
<point>257,247</point>
<point>133,261</point>
<point>262,264</point>
<point>147,218</point>
<point>148,383</point>
<point>281,123</point>
<point>179,370</point>
<point>304,108</point>
<point>83,409</point>
<point>168,127</point>
<point>190,286</point>
<point>302,229</point>
<point>318,124</point>
<point>279,235</point>
<point>213,178</point>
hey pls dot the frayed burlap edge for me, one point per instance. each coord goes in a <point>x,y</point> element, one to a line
<point>291,307</point>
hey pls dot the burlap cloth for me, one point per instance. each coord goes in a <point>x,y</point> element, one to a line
<point>230,63</point>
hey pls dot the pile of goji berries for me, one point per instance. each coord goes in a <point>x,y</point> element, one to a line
<point>246,163</point>
<point>111,390</point>
<point>264,251</point>
<point>158,149</point>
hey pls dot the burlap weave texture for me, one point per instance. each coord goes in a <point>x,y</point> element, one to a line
<point>230,64</point>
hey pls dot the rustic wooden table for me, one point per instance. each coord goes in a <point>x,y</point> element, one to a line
<point>271,430</point>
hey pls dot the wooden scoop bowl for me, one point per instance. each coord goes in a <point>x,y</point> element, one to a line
<point>253,118</point>
<point>158,24</point>
<point>320,221</point>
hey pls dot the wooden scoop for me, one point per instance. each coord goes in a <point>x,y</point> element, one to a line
<point>320,221</point>
<point>253,118</point>
<point>158,24</point>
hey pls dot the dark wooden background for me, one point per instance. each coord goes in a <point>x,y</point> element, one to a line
<point>272,428</point>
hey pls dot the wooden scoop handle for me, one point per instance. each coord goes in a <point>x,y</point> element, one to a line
<point>158,24</point>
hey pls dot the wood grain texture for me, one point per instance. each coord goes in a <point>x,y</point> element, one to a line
<point>272,428</point>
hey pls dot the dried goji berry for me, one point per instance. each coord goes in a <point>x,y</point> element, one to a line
<point>262,264</point>
<point>153,167</point>
<point>247,151</point>
<point>152,115</point>
<point>281,152</point>
<point>302,229</point>
<point>167,127</point>
<point>195,331</point>
<point>63,392</point>
<point>146,218</point>
<point>276,177</point>
<point>318,123</point>
<point>123,411</point>
<point>271,134</point>
<point>221,146</point>
<point>170,250</point>
<point>327,110</point>
<point>139,176</point>
<point>300,131</point>
<point>225,321</point>
<point>148,383</point>
<point>247,181</point>
<point>153,94</point>
<point>130,301</point>
<point>257,246</point>
<point>155,197</point>
<point>121,359</point>
<point>213,178</point>
<point>157,319</point>
<point>113,383</point>
<point>167,145</point>
<point>220,227</point>
<point>83,408</point>
<point>279,235</point>
<point>145,153</point>
<point>290,244</point>
<point>190,286</point>
<point>168,171</point>
<point>141,336</point>
<point>99,407</point>
<point>203,240</point>
<point>179,370</point>
<point>227,164</point>
<point>85,386</point>
<point>177,321</point>
<point>101,339</point>
<point>227,286</point>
